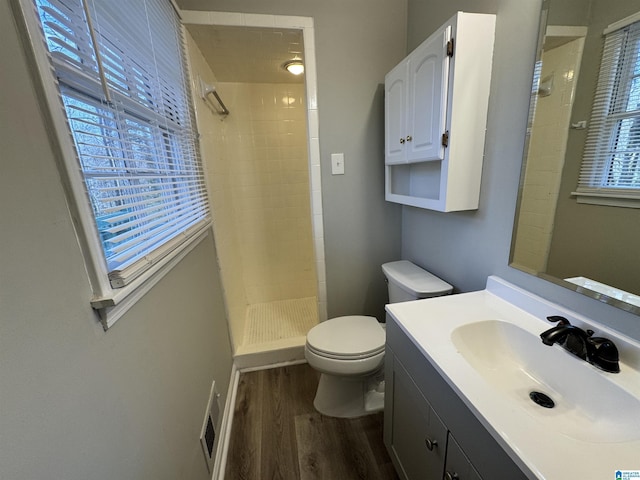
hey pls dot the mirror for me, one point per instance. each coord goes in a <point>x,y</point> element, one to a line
<point>591,249</point>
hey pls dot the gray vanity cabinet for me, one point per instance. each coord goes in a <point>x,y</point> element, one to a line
<point>418,437</point>
<point>428,430</point>
<point>458,465</point>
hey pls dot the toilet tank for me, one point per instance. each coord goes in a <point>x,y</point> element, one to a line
<point>406,281</point>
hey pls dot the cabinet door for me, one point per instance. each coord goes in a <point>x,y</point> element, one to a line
<point>427,98</point>
<point>395,98</point>
<point>458,466</point>
<point>418,437</point>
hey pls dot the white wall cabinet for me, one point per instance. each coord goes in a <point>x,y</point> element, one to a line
<point>415,103</point>
<point>436,104</point>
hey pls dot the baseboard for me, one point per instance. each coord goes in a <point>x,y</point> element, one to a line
<point>251,364</point>
<point>220,464</point>
<point>222,450</point>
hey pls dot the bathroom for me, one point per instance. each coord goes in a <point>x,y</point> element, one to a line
<point>78,402</point>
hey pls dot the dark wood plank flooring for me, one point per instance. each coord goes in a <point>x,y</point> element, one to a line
<point>278,435</point>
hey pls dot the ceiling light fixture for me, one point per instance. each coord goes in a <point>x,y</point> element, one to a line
<point>295,66</point>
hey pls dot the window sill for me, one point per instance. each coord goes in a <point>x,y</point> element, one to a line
<point>609,199</point>
<point>112,307</point>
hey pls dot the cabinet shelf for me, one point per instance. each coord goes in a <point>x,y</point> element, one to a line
<point>416,184</point>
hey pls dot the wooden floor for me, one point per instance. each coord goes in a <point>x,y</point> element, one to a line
<point>278,435</point>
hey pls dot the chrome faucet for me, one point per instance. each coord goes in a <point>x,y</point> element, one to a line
<point>598,351</point>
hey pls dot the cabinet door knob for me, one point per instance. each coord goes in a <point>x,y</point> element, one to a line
<point>402,140</point>
<point>431,444</point>
<point>451,476</point>
<point>409,138</point>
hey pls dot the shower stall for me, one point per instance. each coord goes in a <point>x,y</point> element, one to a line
<point>264,190</point>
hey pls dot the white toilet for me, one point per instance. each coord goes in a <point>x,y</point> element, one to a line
<point>349,351</point>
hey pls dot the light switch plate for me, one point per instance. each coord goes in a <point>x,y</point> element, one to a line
<point>337,163</point>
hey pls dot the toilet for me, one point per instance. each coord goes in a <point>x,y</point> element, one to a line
<point>349,351</point>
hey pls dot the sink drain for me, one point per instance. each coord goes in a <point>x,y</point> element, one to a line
<point>542,399</point>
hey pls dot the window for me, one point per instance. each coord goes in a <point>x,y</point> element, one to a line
<point>122,86</point>
<point>610,172</point>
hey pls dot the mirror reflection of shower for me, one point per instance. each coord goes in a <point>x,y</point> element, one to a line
<point>258,179</point>
<point>561,57</point>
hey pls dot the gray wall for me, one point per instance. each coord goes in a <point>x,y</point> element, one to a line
<point>612,232</point>
<point>357,43</point>
<point>569,12</point>
<point>467,247</point>
<point>76,402</point>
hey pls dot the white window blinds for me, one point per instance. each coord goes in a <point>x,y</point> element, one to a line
<point>611,162</point>
<point>122,78</point>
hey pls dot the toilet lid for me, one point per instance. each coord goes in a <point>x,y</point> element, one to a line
<point>351,336</point>
<point>414,280</point>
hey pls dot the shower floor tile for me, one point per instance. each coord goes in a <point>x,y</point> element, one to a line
<point>280,321</point>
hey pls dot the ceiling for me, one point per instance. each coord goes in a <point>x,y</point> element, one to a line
<point>248,54</point>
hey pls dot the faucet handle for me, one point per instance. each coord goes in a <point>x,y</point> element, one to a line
<point>604,348</point>
<point>559,319</point>
<point>603,354</point>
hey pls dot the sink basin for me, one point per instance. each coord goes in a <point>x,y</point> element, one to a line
<point>514,362</point>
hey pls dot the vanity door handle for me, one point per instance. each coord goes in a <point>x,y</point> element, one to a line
<point>402,140</point>
<point>409,138</point>
<point>451,476</point>
<point>431,444</point>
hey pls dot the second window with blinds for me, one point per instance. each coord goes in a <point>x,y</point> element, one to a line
<point>610,172</point>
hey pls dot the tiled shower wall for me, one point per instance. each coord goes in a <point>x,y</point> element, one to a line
<point>220,193</point>
<point>263,145</point>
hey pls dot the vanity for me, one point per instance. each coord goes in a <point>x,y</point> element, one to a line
<point>473,390</point>
<point>461,373</point>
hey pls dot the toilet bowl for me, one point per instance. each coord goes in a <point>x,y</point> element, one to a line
<point>349,351</point>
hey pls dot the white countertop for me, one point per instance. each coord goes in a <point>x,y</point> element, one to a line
<point>521,428</point>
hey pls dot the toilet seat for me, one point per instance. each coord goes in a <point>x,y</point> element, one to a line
<point>347,338</point>
<point>344,357</point>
